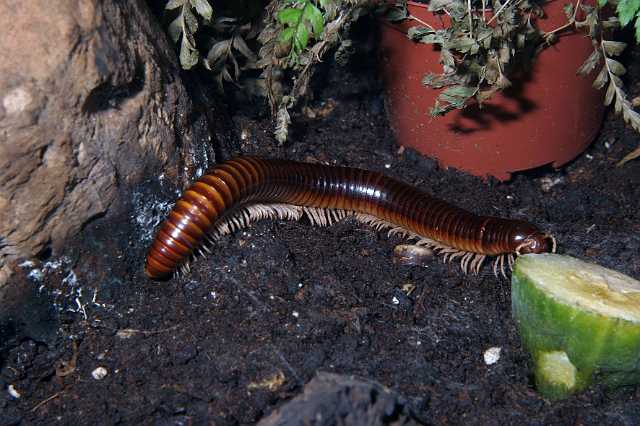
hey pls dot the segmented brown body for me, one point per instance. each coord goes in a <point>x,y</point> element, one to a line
<point>243,181</point>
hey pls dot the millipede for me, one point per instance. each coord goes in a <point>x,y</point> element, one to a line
<point>242,190</point>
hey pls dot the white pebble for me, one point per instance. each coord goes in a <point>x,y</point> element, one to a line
<point>395,301</point>
<point>295,314</point>
<point>17,100</point>
<point>13,392</point>
<point>387,166</point>
<point>99,373</point>
<point>492,355</point>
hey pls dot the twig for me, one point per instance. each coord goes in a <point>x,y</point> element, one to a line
<point>286,365</point>
<point>571,22</point>
<point>41,403</point>
<point>470,18</point>
<point>125,333</point>
<point>420,21</point>
<point>498,12</point>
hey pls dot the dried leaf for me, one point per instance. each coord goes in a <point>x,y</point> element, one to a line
<point>601,79</point>
<point>174,4</point>
<point>590,63</point>
<point>188,56</point>
<point>283,119</point>
<point>189,22</point>
<point>241,46</point>
<point>203,8</point>
<point>616,67</point>
<point>617,80</point>
<point>175,29</point>
<point>611,23</point>
<point>217,55</point>
<point>613,48</point>
<point>503,82</point>
<point>630,156</point>
<point>611,92</point>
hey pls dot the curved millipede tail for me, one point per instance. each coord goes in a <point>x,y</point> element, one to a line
<point>245,189</point>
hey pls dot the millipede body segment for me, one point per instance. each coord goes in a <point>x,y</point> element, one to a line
<point>245,189</point>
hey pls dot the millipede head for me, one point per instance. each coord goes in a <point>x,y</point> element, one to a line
<point>525,238</point>
<point>539,242</point>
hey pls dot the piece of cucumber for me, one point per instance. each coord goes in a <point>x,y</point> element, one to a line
<point>579,321</point>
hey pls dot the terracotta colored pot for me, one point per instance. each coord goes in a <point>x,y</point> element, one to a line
<point>549,118</point>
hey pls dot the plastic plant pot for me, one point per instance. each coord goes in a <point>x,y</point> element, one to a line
<point>548,116</point>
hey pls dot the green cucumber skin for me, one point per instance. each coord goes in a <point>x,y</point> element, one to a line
<point>596,345</point>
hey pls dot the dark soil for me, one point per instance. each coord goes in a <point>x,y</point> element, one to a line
<point>250,325</point>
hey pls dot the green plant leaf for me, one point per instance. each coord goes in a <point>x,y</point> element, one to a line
<point>301,38</point>
<point>314,16</point>
<point>438,81</point>
<point>397,13</point>
<point>627,10</point>
<point>289,16</point>
<point>463,44</point>
<point>416,33</point>
<point>287,34</point>
<point>300,24</point>
<point>568,10</point>
<point>438,5</point>
<point>454,97</point>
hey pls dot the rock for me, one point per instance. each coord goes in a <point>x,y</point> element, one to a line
<point>91,103</point>
<point>330,399</point>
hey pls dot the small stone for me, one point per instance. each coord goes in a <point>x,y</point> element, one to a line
<point>411,255</point>
<point>492,355</point>
<point>17,100</point>
<point>99,373</point>
<point>13,392</point>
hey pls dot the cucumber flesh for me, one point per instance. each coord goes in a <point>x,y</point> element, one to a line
<point>579,321</point>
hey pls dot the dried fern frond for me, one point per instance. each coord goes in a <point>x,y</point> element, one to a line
<point>609,76</point>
